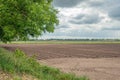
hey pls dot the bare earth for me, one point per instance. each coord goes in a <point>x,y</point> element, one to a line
<point>97,61</point>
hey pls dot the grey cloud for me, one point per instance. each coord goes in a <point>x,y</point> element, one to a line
<point>62,26</point>
<point>115,12</point>
<point>86,19</point>
<point>112,28</point>
<point>103,7</point>
<point>95,3</point>
<point>66,3</point>
<point>112,7</point>
<point>79,16</point>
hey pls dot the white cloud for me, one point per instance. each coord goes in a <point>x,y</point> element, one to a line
<point>87,19</point>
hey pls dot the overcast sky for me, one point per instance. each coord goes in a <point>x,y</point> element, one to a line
<point>87,19</point>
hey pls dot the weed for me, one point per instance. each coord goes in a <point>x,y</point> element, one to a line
<point>19,63</point>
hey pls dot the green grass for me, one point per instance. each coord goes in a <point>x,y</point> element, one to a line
<point>65,42</point>
<point>18,63</point>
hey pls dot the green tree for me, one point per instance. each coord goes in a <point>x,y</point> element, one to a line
<point>20,19</point>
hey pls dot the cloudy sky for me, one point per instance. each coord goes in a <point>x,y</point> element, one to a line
<point>87,19</point>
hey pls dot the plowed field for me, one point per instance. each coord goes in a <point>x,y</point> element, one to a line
<point>97,61</point>
<point>49,51</point>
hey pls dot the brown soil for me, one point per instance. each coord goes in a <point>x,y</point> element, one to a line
<point>97,61</point>
<point>95,69</point>
<point>50,51</point>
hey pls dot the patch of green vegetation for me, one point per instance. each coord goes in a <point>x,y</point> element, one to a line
<point>64,42</point>
<point>19,63</point>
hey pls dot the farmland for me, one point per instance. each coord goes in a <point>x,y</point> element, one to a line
<point>49,51</point>
<point>98,61</point>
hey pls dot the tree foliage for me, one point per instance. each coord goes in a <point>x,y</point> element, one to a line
<point>20,19</point>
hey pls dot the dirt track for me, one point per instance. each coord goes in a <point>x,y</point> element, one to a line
<point>97,61</point>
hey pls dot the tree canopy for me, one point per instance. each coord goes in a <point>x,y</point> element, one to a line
<point>20,19</point>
